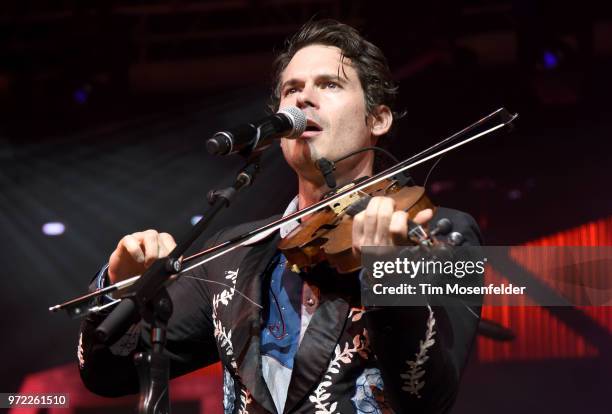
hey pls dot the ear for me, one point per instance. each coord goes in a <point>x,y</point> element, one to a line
<point>381,120</point>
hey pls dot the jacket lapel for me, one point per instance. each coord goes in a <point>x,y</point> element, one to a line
<point>246,320</point>
<point>316,348</point>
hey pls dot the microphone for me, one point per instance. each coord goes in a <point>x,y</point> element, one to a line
<point>289,122</point>
<point>327,169</point>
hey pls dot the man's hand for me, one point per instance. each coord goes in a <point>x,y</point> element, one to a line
<point>380,225</point>
<point>136,252</point>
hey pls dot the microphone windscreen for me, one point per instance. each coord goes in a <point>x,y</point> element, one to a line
<point>298,119</point>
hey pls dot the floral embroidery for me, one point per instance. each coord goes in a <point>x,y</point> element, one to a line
<point>223,336</point>
<point>225,340</point>
<point>80,351</point>
<point>341,356</point>
<point>226,295</point>
<point>355,314</point>
<point>369,397</point>
<point>245,399</point>
<point>413,383</point>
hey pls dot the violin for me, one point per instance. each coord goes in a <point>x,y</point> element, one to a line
<point>326,235</point>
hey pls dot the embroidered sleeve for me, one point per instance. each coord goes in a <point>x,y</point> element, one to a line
<point>413,375</point>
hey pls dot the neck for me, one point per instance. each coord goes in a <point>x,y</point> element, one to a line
<point>311,190</point>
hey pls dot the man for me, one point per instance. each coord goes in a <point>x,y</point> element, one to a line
<point>302,342</point>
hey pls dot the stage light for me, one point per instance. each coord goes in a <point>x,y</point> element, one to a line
<point>515,194</point>
<point>441,186</point>
<point>550,60</point>
<point>53,228</point>
<point>484,183</point>
<point>195,219</point>
<point>81,95</point>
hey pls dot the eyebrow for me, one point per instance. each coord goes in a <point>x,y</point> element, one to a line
<point>324,77</point>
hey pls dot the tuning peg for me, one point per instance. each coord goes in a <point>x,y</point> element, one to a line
<point>443,226</point>
<point>455,238</point>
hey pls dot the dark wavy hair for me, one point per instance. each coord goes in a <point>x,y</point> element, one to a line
<point>366,58</point>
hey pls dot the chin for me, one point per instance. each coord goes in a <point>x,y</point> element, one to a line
<point>298,155</point>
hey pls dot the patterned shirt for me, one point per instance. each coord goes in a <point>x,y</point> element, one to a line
<point>285,321</point>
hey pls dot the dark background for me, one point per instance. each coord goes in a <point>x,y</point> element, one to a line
<point>105,105</point>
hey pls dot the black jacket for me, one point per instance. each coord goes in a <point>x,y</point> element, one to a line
<point>350,360</point>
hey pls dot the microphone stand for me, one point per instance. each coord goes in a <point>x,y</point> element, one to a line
<point>148,299</point>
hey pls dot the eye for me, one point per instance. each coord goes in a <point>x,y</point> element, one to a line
<point>289,91</point>
<point>331,85</point>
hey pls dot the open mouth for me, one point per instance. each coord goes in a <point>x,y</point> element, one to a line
<point>312,127</point>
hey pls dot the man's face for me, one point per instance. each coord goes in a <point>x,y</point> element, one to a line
<point>330,94</point>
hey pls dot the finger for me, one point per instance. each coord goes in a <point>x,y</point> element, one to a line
<point>384,214</point>
<point>132,245</point>
<point>423,216</point>
<point>151,246</point>
<point>369,222</point>
<point>358,232</point>
<point>399,228</point>
<point>166,244</point>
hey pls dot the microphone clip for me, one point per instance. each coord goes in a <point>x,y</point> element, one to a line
<point>327,168</point>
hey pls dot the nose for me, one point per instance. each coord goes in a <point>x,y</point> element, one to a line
<point>306,98</point>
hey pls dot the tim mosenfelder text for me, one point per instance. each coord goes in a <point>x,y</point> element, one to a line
<point>431,268</point>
